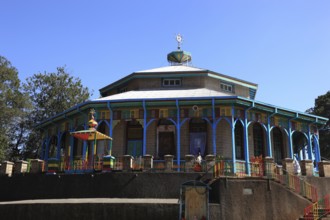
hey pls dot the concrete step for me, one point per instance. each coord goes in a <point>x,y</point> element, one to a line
<point>97,208</point>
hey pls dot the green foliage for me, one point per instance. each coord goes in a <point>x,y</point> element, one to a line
<point>14,105</point>
<point>51,94</point>
<point>322,108</point>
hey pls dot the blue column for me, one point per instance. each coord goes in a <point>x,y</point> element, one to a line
<point>144,151</point>
<point>214,129</point>
<point>233,138</point>
<point>246,144</point>
<point>269,142</point>
<point>178,128</point>
<point>309,146</point>
<point>290,141</point>
<point>110,127</point>
<point>317,149</point>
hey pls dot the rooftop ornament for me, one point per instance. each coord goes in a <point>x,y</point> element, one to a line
<point>91,134</point>
<point>179,57</point>
<point>92,123</point>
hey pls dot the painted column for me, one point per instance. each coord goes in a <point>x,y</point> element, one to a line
<point>233,138</point>
<point>309,146</point>
<point>110,127</point>
<point>246,144</point>
<point>144,150</point>
<point>269,142</point>
<point>290,141</point>
<point>214,129</point>
<point>178,139</point>
<point>317,149</point>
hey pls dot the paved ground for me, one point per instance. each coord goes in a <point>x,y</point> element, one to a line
<point>94,200</point>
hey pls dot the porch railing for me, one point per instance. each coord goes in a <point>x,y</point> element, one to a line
<point>318,209</point>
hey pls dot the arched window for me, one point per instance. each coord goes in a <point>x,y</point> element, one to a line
<point>258,140</point>
<point>278,145</point>
<point>198,136</point>
<point>166,143</point>
<point>300,142</point>
<point>239,142</point>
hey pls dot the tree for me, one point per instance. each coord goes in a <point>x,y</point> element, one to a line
<point>51,94</point>
<point>14,105</point>
<point>322,108</point>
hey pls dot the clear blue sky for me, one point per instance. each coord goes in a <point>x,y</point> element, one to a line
<point>282,45</point>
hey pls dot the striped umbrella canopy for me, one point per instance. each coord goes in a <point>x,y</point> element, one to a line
<point>90,135</point>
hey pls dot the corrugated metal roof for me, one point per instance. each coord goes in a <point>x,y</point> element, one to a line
<point>178,68</point>
<point>163,94</point>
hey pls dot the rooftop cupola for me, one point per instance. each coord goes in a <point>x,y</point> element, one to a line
<point>179,57</point>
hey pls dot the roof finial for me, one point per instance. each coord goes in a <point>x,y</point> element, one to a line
<point>179,39</point>
<point>179,57</point>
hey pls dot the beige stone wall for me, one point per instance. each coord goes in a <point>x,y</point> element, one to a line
<point>151,144</point>
<point>242,91</point>
<point>209,139</point>
<point>193,82</point>
<point>223,134</point>
<point>212,83</point>
<point>185,136</point>
<point>119,142</point>
<point>149,83</point>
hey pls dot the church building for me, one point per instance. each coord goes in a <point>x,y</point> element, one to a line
<point>182,110</point>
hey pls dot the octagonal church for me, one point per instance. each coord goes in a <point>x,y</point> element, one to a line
<point>180,110</point>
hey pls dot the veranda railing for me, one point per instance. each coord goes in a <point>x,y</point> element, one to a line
<point>318,209</point>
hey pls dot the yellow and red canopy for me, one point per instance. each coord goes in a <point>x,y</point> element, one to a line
<point>90,135</point>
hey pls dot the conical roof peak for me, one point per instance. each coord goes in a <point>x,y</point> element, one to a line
<point>179,57</point>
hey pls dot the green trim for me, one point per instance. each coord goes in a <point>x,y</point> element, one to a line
<point>285,113</point>
<point>264,108</point>
<point>225,101</point>
<point>163,103</point>
<point>126,104</point>
<point>191,103</point>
